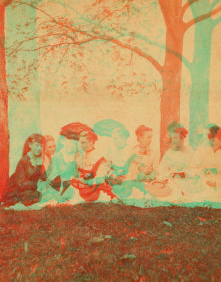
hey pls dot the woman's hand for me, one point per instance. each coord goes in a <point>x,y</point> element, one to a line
<point>208,173</point>
<point>211,183</point>
<point>147,170</point>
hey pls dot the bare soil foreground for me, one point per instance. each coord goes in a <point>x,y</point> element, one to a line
<point>111,242</point>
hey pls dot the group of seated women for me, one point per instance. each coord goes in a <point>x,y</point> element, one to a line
<point>75,171</point>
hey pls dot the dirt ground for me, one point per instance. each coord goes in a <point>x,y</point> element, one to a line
<point>111,242</point>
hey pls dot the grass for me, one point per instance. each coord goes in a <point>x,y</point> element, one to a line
<point>111,242</point>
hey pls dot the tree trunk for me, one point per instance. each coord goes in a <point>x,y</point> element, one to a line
<point>24,114</point>
<point>200,74</point>
<point>171,76</point>
<point>4,136</point>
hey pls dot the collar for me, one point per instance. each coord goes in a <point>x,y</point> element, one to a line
<point>34,161</point>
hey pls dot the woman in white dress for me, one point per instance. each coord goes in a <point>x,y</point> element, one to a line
<point>145,163</point>
<point>206,166</point>
<point>173,168</point>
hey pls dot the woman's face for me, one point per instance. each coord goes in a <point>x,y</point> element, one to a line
<point>69,145</point>
<point>50,148</point>
<point>36,148</point>
<point>146,138</point>
<point>85,144</point>
<point>119,140</point>
<point>177,140</point>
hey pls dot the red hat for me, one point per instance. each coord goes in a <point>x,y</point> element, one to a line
<point>73,130</point>
<point>90,134</point>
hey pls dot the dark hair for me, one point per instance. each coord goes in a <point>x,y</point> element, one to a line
<point>141,129</point>
<point>213,131</point>
<point>90,135</point>
<point>208,126</point>
<point>69,134</point>
<point>33,138</point>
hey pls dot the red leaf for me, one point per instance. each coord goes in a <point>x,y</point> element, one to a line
<point>34,268</point>
<point>201,219</point>
<point>143,232</point>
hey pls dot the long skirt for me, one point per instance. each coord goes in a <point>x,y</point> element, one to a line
<point>49,193</point>
<point>27,198</point>
<point>92,193</point>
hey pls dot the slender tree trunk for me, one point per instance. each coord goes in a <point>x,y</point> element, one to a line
<point>200,74</point>
<point>171,76</point>
<point>24,114</point>
<point>4,136</point>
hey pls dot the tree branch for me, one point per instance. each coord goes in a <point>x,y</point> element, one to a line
<point>63,44</point>
<point>186,6</point>
<point>116,41</point>
<point>202,18</point>
<point>184,60</point>
<point>162,46</point>
<point>136,50</point>
<point>109,38</point>
<point>36,37</point>
<point>53,19</point>
<point>85,19</point>
<point>139,52</point>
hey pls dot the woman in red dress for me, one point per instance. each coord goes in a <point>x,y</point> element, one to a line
<point>92,170</point>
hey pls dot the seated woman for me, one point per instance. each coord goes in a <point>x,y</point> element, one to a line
<point>173,168</point>
<point>206,159</point>
<point>49,150</point>
<point>92,170</point>
<point>120,158</point>
<point>206,164</point>
<point>177,159</point>
<point>145,164</point>
<point>171,131</point>
<point>22,186</point>
<point>61,169</point>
